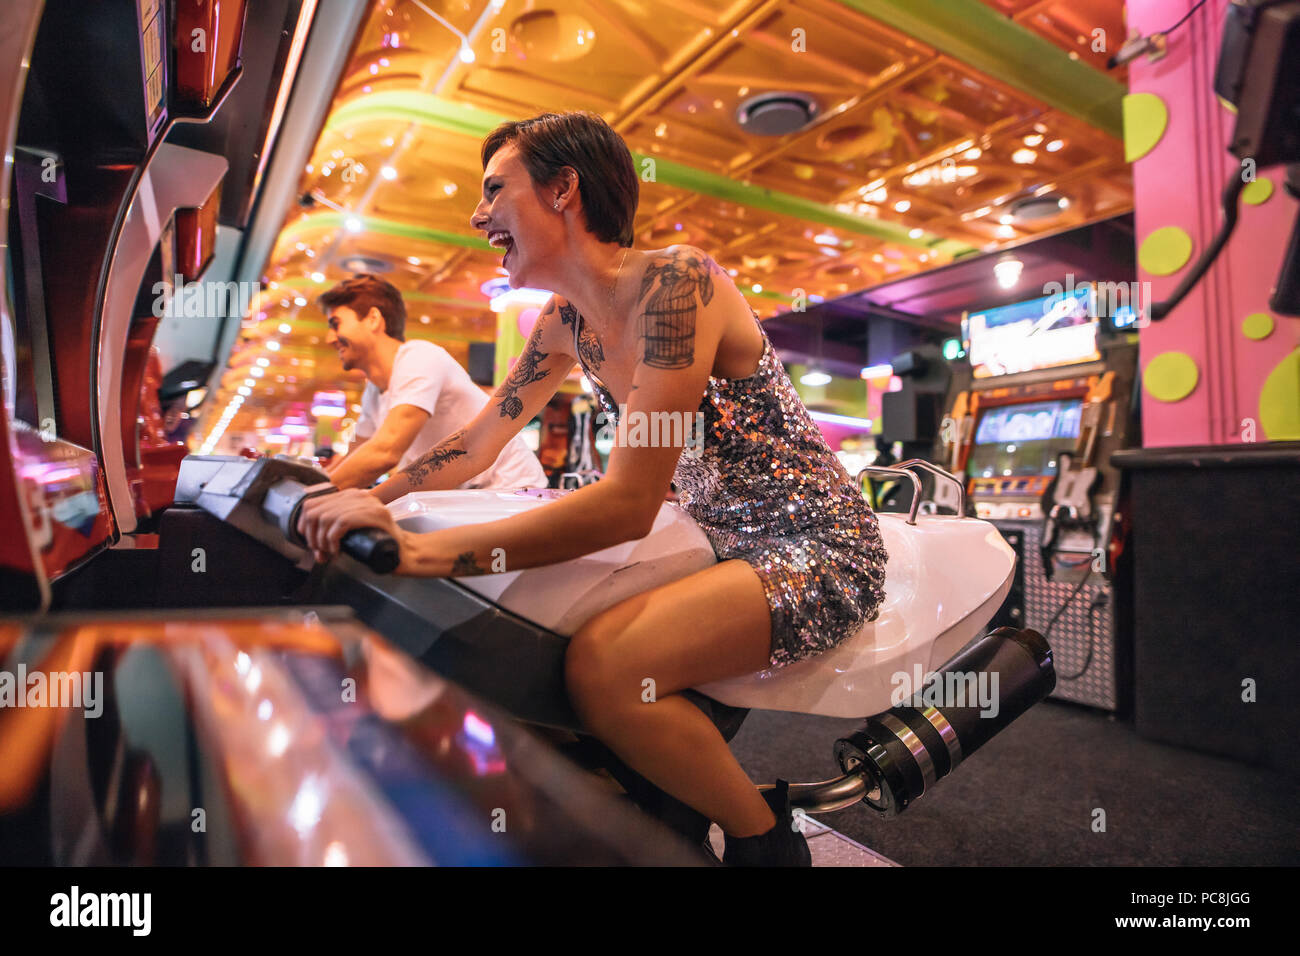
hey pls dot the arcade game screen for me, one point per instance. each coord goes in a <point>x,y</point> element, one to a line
<point>1047,332</point>
<point>1024,439</point>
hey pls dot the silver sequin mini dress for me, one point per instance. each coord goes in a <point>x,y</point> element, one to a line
<point>766,488</point>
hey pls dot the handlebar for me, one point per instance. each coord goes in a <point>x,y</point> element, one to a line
<point>375,548</point>
<point>903,469</point>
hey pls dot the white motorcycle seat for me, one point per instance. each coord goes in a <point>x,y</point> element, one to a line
<point>945,578</point>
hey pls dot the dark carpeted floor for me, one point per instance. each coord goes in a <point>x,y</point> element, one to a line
<point>1028,797</point>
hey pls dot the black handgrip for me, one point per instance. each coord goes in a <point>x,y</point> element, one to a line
<point>376,549</point>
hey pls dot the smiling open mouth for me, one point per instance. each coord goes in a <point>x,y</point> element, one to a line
<point>500,239</point>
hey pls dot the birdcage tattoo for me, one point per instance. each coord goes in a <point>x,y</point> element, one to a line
<point>669,316</point>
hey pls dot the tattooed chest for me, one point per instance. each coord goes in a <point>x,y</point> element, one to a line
<point>592,352</point>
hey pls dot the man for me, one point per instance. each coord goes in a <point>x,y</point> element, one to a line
<point>416,394</point>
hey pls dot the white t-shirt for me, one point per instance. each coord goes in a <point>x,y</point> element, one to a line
<point>426,376</point>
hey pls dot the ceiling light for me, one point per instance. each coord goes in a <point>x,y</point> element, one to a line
<point>285,328</point>
<point>273,345</point>
<point>245,390</point>
<point>1006,219</point>
<point>1063,203</point>
<point>257,371</point>
<point>466,54</point>
<point>1006,232</point>
<point>815,378</point>
<point>388,172</point>
<point>1033,139</point>
<point>973,153</point>
<point>413,260</point>
<point>264,362</point>
<point>1008,272</point>
<point>1024,156</point>
<point>1055,145</point>
<point>299,300</point>
<point>916,233</point>
<point>352,224</point>
<point>318,277</point>
<point>877,371</point>
<point>903,205</point>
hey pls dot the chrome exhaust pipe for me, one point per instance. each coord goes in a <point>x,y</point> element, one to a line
<point>897,756</point>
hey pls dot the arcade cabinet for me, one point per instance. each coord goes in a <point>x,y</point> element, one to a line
<point>1042,399</point>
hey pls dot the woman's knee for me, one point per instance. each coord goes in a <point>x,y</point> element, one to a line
<point>589,667</point>
<point>601,682</point>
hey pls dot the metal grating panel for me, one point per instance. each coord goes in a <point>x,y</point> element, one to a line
<point>1084,626</point>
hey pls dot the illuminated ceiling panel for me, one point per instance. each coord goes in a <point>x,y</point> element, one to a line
<point>899,155</point>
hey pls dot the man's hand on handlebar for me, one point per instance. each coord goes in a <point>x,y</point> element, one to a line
<point>325,519</point>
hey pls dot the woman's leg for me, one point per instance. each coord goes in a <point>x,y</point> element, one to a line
<point>625,667</point>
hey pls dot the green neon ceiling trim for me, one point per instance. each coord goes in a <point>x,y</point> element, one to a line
<point>426,110</point>
<point>975,34</point>
<point>384,227</point>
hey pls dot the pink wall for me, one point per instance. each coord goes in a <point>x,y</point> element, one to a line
<point>1178,183</point>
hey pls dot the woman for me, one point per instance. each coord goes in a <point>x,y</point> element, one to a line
<point>801,565</point>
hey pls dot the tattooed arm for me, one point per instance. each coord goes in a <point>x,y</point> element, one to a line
<point>683,312</point>
<point>533,380</point>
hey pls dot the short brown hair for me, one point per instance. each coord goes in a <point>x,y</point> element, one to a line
<point>607,178</point>
<point>363,292</point>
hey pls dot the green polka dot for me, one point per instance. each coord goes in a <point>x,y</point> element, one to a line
<point>1257,192</point>
<point>1170,376</point>
<point>1165,251</point>
<point>1257,326</point>
<point>1279,400</point>
<point>1145,120</point>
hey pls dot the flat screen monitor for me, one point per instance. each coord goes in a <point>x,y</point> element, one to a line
<point>1046,332</point>
<point>1024,439</point>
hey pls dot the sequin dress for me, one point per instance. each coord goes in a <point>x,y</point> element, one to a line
<point>765,488</point>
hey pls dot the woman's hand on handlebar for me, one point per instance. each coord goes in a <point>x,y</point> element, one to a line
<point>325,519</point>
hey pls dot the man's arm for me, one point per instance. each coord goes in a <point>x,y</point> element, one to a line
<point>382,451</point>
<point>532,382</point>
<point>621,506</point>
<point>337,460</point>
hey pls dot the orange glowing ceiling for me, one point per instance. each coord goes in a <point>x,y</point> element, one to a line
<point>910,157</point>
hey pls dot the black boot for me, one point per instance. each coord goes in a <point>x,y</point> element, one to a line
<point>783,845</point>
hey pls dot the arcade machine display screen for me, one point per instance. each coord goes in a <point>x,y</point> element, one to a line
<point>1024,439</point>
<point>1048,332</point>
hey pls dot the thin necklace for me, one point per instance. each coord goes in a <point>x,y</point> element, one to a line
<point>614,288</point>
